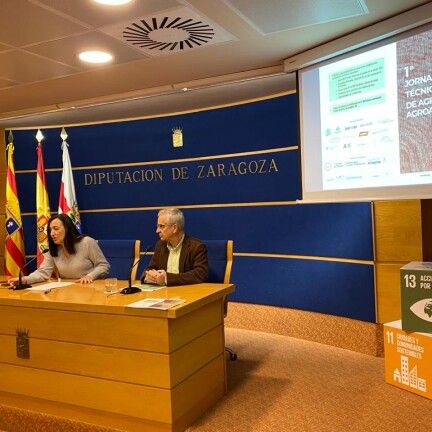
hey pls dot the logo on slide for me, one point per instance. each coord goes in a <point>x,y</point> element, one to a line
<point>423,309</point>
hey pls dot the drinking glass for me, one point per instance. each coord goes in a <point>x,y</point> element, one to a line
<point>110,285</point>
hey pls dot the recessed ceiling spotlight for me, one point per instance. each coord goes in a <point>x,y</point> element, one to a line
<point>95,56</point>
<point>113,2</point>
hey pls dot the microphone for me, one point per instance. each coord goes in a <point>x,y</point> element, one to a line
<point>134,289</point>
<point>20,285</point>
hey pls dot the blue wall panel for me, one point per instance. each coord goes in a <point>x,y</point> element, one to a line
<point>253,229</point>
<point>329,287</point>
<point>26,185</point>
<point>267,124</point>
<point>331,230</point>
<point>239,179</point>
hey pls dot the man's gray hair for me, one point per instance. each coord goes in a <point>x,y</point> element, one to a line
<point>175,216</point>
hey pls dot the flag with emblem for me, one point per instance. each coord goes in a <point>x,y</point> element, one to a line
<point>67,201</point>
<point>42,204</point>
<point>14,244</point>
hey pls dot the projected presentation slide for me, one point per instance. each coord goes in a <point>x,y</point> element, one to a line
<point>374,118</point>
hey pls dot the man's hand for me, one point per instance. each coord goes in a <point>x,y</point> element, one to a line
<point>156,277</point>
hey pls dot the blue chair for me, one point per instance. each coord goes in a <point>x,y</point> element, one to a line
<point>220,259</point>
<point>122,255</point>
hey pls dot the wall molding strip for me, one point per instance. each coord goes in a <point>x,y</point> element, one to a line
<point>303,257</point>
<point>169,161</point>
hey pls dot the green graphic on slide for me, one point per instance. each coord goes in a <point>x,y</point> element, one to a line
<point>359,103</point>
<point>357,80</point>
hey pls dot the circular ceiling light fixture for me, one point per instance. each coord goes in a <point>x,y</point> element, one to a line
<point>113,2</point>
<point>96,57</point>
<point>170,34</point>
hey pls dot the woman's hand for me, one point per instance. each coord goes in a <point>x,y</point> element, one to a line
<point>13,281</point>
<point>85,280</point>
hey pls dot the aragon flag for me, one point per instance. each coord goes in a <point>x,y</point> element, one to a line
<point>14,245</point>
<point>67,200</point>
<point>42,207</point>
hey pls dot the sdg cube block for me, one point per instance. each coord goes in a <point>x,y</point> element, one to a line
<point>416,296</point>
<point>408,359</point>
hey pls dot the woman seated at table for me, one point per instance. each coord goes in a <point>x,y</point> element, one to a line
<point>70,256</point>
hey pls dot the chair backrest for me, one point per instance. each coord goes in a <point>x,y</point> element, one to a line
<point>121,254</point>
<point>220,259</point>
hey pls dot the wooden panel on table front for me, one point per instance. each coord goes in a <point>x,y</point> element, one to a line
<point>120,398</point>
<point>132,332</point>
<point>146,403</point>
<point>398,230</point>
<point>203,319</point>
<point>135,367</point>
<point>193,355</point>
<point>388,293</point>
<point>207,381</point>
<point>92,361</point>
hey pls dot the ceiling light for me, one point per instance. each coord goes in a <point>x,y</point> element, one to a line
<point>95,56</point>
<point>113,2</point>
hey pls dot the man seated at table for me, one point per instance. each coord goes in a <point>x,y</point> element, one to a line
<point>178,258</point>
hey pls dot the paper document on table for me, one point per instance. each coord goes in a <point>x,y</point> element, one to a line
<point>49,286</point>
<point>149,287</point>
<point>157,303</point>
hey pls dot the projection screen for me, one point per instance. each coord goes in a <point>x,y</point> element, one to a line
<point>366,122</point>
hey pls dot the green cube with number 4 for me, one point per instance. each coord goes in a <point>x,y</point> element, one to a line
<point>416,296</point>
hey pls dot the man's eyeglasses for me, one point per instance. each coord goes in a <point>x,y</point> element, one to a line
<point>161,226</point>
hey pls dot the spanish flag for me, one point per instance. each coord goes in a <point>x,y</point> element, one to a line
<point>42,207</point>
<point>14,245</point>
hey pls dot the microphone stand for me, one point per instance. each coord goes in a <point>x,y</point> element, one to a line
<point>20,285</point>
<point>130,288</point>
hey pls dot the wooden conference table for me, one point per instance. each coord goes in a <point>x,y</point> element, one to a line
<point>94,360</point>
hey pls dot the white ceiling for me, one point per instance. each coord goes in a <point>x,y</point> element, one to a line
<point>223,51</point>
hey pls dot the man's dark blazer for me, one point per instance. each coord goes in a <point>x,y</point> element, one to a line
<point>193,263</point>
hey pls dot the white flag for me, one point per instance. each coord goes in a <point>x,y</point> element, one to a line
<point>67,200</point>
